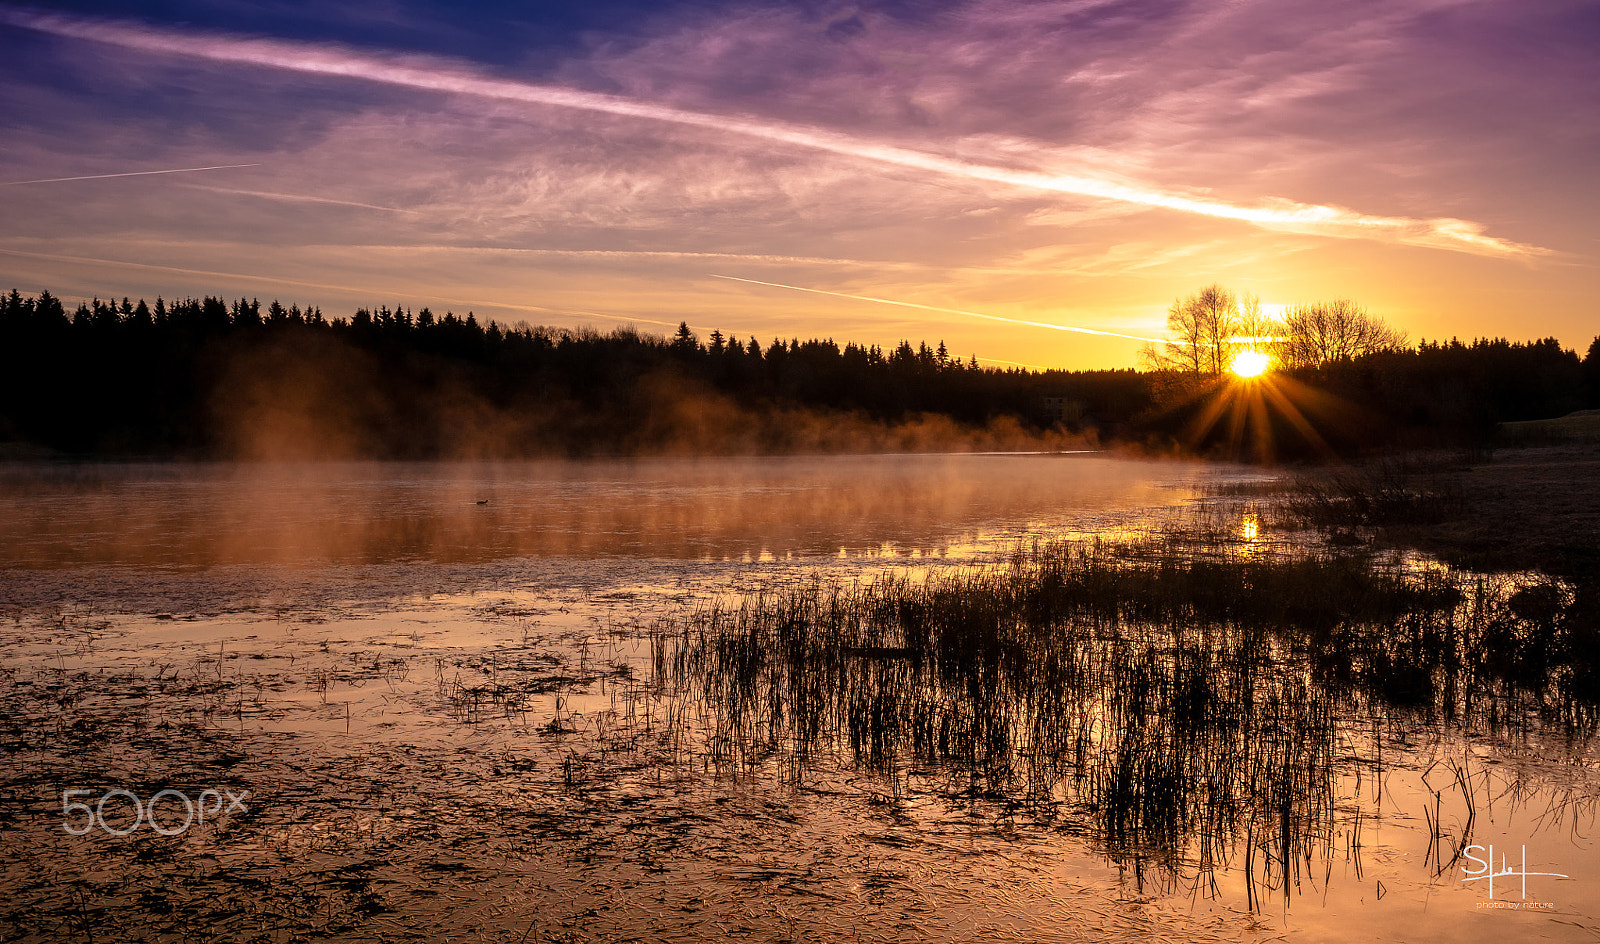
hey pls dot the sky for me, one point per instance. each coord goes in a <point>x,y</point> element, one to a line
<point>1032,182</point>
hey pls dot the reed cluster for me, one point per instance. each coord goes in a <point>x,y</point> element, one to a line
<point>1183,708</point>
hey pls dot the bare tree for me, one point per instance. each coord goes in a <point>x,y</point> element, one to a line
<point>1326,332</point>
<point>1256,330</point>
<point>1202,328</point>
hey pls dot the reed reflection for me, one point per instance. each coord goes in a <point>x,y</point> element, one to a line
<point>1191,715</point>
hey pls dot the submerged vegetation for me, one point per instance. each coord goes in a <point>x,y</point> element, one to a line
<point>210,378</point>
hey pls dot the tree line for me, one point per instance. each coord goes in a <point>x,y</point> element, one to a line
<point>209,377</point>
<point>200,377</point>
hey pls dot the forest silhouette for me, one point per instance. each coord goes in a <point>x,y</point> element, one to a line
<point>206,378</point>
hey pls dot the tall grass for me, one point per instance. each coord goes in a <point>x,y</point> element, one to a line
<point>1184,709</point>
<point>1385,494</point>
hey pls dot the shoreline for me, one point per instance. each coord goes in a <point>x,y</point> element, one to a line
<point>1521,508</point>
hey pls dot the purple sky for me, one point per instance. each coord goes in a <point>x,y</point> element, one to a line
<point>1074,164</point>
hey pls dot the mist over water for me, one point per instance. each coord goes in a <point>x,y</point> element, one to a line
<point>196,515</point>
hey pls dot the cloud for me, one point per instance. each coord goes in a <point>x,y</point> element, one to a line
<point>1461,127</point>
<point>949,161</point>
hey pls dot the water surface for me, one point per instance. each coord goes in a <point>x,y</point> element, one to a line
<point>445,685</point>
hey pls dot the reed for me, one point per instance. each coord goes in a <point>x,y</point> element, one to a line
<point>1181,707</point>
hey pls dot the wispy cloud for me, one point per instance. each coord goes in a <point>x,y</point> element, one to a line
<point>453,78</point>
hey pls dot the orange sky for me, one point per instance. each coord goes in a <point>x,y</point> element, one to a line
<point>1071,164</point>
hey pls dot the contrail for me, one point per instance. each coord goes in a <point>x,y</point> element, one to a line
<point>951,311</point>
<point>755,258</point>
<point>297,198</point>
<point>442,76</point>
<point>131,173</point>
<point>486,303</point>
<point>997,360</point>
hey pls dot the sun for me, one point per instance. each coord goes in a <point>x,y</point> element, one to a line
<point>1250,364</point>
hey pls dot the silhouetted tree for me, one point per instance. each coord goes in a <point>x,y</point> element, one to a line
<point>1591,372</point>
<point>1200,328</point>
<point>1340,330</point>
<point>684,343</point>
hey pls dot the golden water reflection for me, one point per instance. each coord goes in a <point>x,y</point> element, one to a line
<point>757,509</point>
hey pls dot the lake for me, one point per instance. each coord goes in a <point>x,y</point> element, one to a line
<point>681,699</point>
